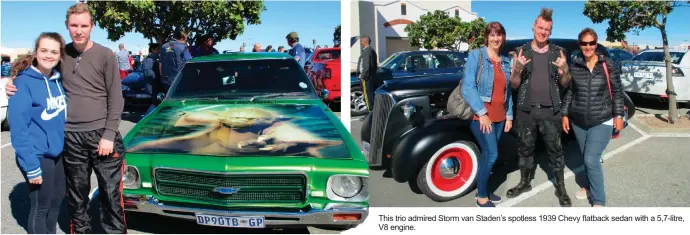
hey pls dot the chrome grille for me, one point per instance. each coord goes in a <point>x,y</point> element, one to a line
<point>251,188</point>
<point>382,107</point>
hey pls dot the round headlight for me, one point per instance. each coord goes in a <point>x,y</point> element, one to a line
<point>130,178</point>
<point>346,186</point>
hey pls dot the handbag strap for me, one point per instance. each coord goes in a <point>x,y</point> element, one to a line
<point>481,63</point>
<point>608,80</point>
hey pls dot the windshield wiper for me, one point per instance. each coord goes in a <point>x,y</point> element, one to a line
<point>274,95</point>
<point>204,98</point>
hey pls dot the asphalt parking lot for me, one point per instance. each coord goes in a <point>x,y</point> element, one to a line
<point>641,170</point>
<point>15,204</point>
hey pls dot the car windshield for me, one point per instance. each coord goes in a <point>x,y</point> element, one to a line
<point>241,79</point>
<point>659,56</point>
<point>328,55</point>
<point>388,63</point>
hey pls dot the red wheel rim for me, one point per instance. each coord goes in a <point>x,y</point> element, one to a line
<point>464,173</point>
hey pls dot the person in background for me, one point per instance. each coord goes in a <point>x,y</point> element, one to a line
<point>269,48</point>
<point>38,111</point>
<point>592,110</point>
<point>241,49</point>
<point>325,46</point>
<point>173,56</point>
<point>123,61</point>
<point>367,66</point>
<point>297,50</point>
<point>281,49</point>
<point>257,48</point>
<point>492,102</point>
<point>152,74</point>
<point>204,47</point>
<point>318,47</point>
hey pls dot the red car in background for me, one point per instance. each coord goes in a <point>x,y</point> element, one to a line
<point>324,73</point>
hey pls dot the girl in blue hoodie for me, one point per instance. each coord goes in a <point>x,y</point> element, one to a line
<point>38,113</point>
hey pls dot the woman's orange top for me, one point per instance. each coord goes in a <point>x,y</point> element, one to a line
<point>496,108</point>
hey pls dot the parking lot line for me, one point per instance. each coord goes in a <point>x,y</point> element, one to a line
<point>548,184</point>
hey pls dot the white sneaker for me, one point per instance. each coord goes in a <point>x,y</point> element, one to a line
<point>582,194</point>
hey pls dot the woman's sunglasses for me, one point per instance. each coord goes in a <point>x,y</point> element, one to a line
<point>590,43</point>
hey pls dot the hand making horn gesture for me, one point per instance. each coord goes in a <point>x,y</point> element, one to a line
<point>561,63</point>
<point>521,61</point>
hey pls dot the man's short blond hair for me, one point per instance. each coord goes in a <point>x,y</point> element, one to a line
<point>546,14</point>
<point>79,8</point>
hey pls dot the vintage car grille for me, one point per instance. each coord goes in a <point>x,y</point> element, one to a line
<point>252,188</point>
<point>382,107</point>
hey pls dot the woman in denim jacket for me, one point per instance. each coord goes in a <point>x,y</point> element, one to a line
<point>491,102</point>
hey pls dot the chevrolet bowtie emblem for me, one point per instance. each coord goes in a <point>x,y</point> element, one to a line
<point>226,190</point>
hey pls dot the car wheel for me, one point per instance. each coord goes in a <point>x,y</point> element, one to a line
<point>358,106</point>
<point>450,172</point>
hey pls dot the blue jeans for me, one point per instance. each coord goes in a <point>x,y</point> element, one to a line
<point>488,144</point>
<point>592,143</point>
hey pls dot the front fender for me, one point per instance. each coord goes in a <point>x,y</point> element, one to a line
<point>416,146</point>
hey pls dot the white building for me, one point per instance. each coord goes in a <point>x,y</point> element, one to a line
<point>384,22</point>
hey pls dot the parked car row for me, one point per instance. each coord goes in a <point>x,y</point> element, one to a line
<point>406,65</point>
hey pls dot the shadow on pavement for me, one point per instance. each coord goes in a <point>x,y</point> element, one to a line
<point>19,204</point>
<point>508,161</point>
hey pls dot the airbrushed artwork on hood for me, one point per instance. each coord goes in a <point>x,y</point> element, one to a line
<point>241,130</point>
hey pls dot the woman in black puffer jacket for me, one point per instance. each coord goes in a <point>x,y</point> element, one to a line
<point>594,106</point>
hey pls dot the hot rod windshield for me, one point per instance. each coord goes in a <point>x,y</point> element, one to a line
<point>242,78</point>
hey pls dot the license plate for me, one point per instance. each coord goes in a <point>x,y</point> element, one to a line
<point>231,221</point>
<point>643,75</point>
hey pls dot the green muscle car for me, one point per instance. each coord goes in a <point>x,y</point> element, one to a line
<point>242,140</point>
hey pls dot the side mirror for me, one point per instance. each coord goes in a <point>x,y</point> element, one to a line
<point>324,93</point>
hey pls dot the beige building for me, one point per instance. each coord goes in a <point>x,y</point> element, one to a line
<point>13,53</point>
<point>384,22</point>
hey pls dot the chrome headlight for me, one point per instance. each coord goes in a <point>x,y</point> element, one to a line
<point>130,179</point>
<point>347,188</point>
<point>409,109</point>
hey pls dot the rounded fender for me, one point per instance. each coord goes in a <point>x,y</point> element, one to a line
<point>417,145</point>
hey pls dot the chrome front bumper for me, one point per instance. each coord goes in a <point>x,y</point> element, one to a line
<point>357,213</point>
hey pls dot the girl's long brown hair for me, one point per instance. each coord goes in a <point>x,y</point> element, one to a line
<point>26,60</point>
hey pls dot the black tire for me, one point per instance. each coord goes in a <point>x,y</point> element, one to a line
<point>355,109</point>
<point>431,191</point>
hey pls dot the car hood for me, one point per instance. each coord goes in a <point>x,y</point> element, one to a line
<point>422,85</point>
<point>239,130</point>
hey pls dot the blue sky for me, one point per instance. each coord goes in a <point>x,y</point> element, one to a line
<point>22,22</point>
<point>518,16</point>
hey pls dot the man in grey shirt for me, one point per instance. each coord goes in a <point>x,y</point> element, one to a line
<point>92,139</point>
<point>123,62</point>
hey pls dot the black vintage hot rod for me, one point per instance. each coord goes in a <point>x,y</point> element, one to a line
<point>410,133</point>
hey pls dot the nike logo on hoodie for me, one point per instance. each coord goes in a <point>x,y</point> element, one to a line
<point>54,103</point>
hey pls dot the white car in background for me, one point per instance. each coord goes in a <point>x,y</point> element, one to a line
<point>3,104</point>
<point>645,74</point>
